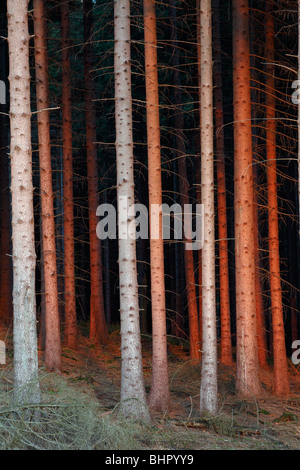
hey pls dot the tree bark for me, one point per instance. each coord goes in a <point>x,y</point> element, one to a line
<point>198,168</point>
<point>260,318</point>
<point>208,389</point>
<point>24,258</point>
<point>159,394</point>
<point>133,395</point>
<point>69,256</point>
<point>226,346</point>
<point>281,381</point>
<point>53,341</point>
<point>247,381</point>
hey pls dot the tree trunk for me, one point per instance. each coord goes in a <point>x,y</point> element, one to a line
<point>69,257</point>
<point>133,395</point>
<point>24,258</point>
<point>208,389</point>
<point>184,196</point>
<point>98,327</point>
<point>260,318</point>
<point>226,346</point>
<point>247,381</point>
<point>159,394</point>
<point>53,342</point>
<point>281,381</point>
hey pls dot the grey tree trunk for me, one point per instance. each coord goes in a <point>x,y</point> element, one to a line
<point>133,395</point>
<point>208,390</point>
<point>24,257</point>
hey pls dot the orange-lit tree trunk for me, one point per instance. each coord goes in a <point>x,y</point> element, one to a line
<point>226,346</point>
<point>133,395</point>
<point>70,338</point>
<point>6,310</point>
<point>208,389</point>
<point>159,393</point>
<point>260,319</point>
<point>198,169</point>
<point>98,327</point>
<point>247,380</point>
<point>184,197</point>
<point>281,382</point>
<point>26,385</point>
<point>53,342</point>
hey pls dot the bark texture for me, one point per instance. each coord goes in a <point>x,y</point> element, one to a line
<point>133,395</point>
<point>52,339</point>
<point>281,381</point>
<point>208,389</point>
<point>159,393</point>
<point>247,381</point>
<point>24,257</point>
<point>69,265</point>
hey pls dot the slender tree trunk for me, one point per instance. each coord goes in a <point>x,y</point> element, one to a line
<point>260,318</point>
<point>98,327</point>
<point>281,381</point>
<point>184,196</point>
<point>133,395</point>
<point>199,261</point>
<point>198,168</point>
<point>226,346</point>
<point>53,342</point>
<point>159,394</point>
<point>247,381</point>
<point>69,257</point>
<point>208,389</point>
<point>24,257</point>
<point>6,310</point>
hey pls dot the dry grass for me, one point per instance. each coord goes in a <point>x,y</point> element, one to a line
<point>79,409</point>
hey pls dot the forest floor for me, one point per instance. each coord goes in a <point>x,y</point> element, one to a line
<point>91,376</point>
